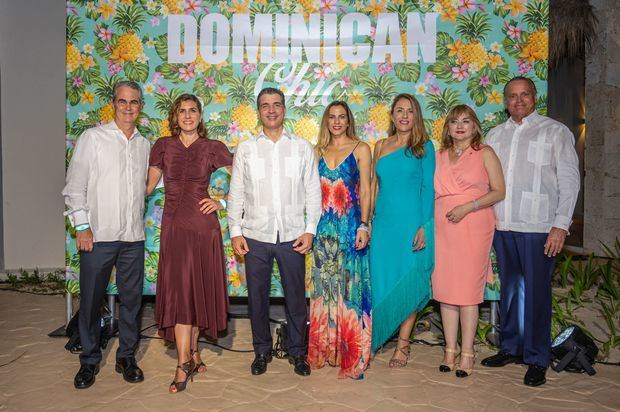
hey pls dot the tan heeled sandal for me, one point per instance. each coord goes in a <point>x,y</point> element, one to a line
<point>449,367</point>
<point>462,372</point>
<point>406,350</point>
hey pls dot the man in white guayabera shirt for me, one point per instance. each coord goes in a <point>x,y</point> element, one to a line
<point>274,205</point>
<point>104,194</point>
<point>542,183</point>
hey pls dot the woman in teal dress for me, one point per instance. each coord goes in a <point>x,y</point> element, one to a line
<point>340,316</point>
<point>402,247</point>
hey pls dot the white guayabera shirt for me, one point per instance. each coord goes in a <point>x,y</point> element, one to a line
<point>106,183</point>
<point>541,170</point>
<point>272,186</point>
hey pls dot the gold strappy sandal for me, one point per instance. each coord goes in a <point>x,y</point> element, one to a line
<point>406,350</point>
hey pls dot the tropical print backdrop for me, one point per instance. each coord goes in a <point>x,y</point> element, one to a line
<point>480,44</point>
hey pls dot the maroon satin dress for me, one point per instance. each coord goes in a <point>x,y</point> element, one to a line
<point>191,279</point>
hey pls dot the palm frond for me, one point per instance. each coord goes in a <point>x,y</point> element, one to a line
<point>306,110</point>
<point>270,8</point>
<point>379,88</point>
<point>164,101</point>
<point>473,26</point>
<point>537,14</point>
<point>402,10</point>
<point>439,104</point>
<point>104,87</point>
<point>572,29</point>
<point>129,18</point>
<point>74,28</point>
<point>241,89</point>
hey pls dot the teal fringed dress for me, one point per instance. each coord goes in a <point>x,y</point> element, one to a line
<point>400,277</point>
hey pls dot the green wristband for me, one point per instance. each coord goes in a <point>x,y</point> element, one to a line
<point>82,227</point>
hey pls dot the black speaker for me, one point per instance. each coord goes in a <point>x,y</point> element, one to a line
<point>109,328</point>
<point>280,349</point>
<point>573,351</point>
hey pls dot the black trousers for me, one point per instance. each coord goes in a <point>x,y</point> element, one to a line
<point>258,265</point>
<point>95,270</point>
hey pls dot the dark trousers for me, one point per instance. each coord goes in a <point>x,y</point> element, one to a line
<point>525,305</point>
<point>258,265</point>
<point>95,270</point>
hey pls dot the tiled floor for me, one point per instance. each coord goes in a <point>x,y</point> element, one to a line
<point>36,373</point>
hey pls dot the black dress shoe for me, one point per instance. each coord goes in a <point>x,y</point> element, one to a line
<point>500,359</point>
<point>86,376</point>
<point>130,370</point>
<point>535,375</point>
<point>301,365</point>
<point>259,366</point>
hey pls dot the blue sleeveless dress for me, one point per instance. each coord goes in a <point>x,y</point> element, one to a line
<point>340,313</point>
<point>401,277</point>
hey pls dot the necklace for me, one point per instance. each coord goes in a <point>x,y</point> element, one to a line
<point>457,151</point>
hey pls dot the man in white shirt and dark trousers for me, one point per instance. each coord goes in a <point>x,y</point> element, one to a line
<point>274,205</point>
<point>104,194</point>
<point>541,169</point>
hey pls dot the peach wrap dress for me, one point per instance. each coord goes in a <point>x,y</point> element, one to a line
<point>462,250</point>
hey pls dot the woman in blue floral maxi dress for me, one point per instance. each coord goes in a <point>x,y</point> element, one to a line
<point>340,310</point>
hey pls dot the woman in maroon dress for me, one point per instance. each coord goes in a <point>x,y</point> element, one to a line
<point>191,280</point>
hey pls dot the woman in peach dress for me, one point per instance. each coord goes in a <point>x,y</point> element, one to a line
<point>468,181</point>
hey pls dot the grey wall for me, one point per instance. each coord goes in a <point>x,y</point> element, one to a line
<point>567,105</point>
<point>602,182</point>
<point>32,112</point>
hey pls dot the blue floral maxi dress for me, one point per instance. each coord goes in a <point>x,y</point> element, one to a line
<point>340,311</point>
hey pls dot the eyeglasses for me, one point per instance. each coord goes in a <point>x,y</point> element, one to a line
<point>125,103</point>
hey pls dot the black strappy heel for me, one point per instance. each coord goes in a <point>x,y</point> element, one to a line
<point>198,365</point>
<point>189,368</point>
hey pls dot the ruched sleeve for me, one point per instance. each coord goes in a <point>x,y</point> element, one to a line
<point>156,159</point>
<point>220,155</point>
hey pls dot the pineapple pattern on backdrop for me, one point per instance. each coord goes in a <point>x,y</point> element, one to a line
<point>480,45</point>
